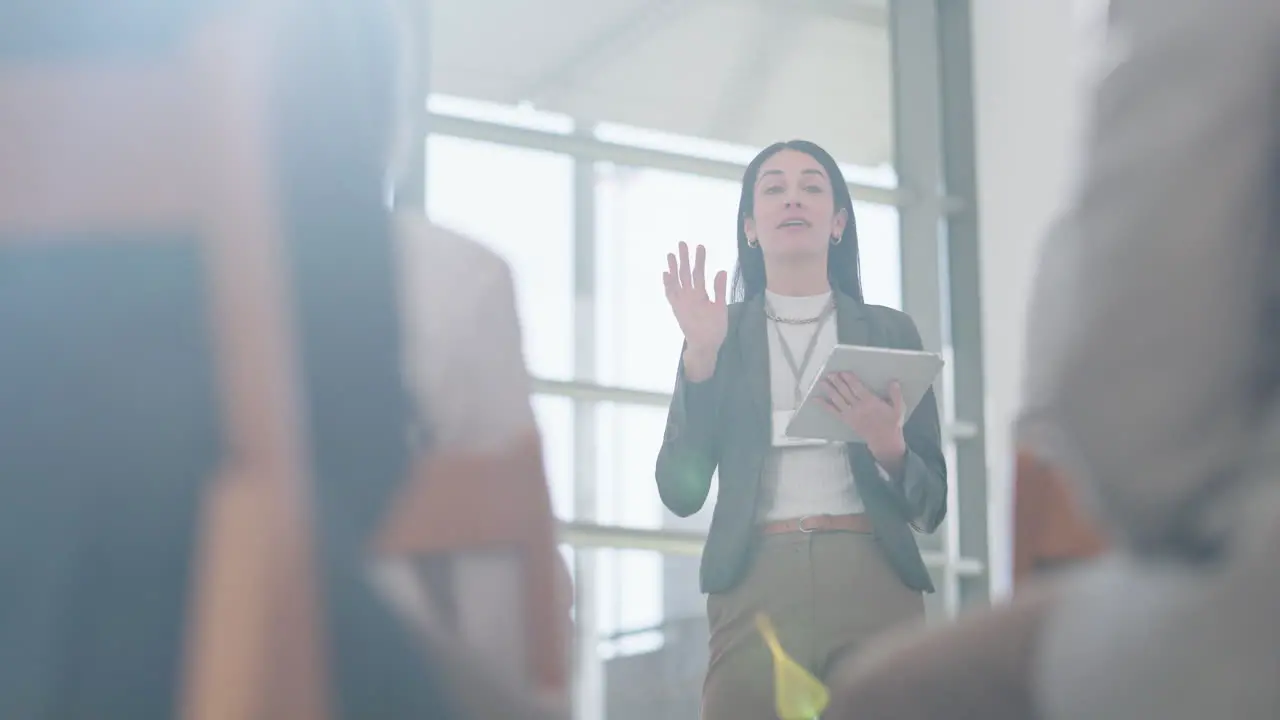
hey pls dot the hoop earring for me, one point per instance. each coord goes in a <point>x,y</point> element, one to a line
<point>752,243</point>
<point>835,239</point>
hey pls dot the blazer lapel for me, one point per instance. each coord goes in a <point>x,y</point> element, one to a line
<point>753,343</point>
<point>852,327</point>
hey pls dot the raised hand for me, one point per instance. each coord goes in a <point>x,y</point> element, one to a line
<point>704,320</point>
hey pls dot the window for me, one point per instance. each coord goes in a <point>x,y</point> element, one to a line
<point>673,143</point>
<point>519,202</point>
<point>881,253</point>
<point>555,423</point>
<point>650,636</point>
<point>643,214</point>
<point>628,439</point>
<point>629,593</point>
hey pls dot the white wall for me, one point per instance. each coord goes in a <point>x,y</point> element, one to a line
<point>1028,87</point>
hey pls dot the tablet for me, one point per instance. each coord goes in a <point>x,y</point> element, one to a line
<point>915,371</point>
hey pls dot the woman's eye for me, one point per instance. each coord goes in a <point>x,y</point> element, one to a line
<point>815,189</point>
<point>773,190</point>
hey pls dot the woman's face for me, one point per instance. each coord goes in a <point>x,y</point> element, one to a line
<point>794,212</point>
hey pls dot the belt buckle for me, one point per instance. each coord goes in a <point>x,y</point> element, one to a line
<point>803,529</point>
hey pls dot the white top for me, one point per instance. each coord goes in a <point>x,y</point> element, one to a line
<point>465,363</point>
<point>812,480</point>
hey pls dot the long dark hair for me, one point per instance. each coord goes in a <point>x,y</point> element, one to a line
<point>334,108</point>
<point>335,118</point>
<point>842,258</point>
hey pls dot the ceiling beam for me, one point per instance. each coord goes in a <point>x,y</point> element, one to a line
<point>871,13</point>
<point>617,39</point>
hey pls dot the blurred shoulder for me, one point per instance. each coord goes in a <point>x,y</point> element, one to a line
<point>464,339</point>
<point>448,258</point>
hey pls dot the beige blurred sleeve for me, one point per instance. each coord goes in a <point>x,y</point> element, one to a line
<point>465,367</point>
<point>466,362</point>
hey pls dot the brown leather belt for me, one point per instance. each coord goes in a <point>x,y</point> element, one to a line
<point>859,523</point>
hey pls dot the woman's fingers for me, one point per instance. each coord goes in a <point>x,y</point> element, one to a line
<point>699,270</point>
<point>859,390</point>
<point>831,406</point>
<point>722,284</point>
<point>837,390</point>
<point>895,397</point>
<point>849,387</point>
<point>683,275</point>
<point>669,284</point>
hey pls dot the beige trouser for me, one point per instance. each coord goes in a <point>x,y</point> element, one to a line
<point>828,593</point>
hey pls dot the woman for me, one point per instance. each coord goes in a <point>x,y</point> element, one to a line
<point>817,536</point>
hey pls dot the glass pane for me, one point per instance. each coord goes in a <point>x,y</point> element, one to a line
<point>642,215</point>
<point>651,635</point>
<point>555,422</point>
<point>628,439</point>
<point>880,253</point>
<point>519,202</point>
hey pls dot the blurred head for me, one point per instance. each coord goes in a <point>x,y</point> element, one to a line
<point>795,208</point>
<point>343,89</point>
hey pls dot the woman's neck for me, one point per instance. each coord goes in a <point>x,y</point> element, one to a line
<point>798,279</point>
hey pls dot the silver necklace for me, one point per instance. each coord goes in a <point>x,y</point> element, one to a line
<point>769,313</point>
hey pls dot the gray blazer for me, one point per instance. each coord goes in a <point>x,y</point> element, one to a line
<point>725,423</point>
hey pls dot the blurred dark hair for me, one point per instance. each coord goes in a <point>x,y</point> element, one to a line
<point>842,259</point>
<point>335,113</point>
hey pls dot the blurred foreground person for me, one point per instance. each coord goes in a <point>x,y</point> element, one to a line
<point>478,478</point>
<point>1153,378</point>
<point>167,297</point>
<point>115,432</point>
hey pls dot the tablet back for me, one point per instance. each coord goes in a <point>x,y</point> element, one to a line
<point>915,371</point>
